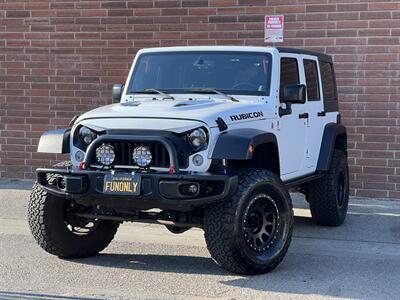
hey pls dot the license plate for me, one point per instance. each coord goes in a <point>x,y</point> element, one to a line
<point>121,184</point>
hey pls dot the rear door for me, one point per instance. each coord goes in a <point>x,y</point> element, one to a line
<point>315,109</point>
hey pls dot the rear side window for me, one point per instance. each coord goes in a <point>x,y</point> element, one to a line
<point>289,73</point>
<point>327,81</point>
<point>311,72</point>
<point>328,86</point>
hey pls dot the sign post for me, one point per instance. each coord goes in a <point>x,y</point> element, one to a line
<point>274,28</point>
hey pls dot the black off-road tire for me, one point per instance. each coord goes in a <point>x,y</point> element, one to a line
<point>329,202</point>
<point>46,216</point>
<point>224,221</point>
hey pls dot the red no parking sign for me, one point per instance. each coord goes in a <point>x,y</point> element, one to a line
<point>274,28</point>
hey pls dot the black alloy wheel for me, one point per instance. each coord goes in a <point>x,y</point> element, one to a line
<point>260,223</point>
<point>341,188</point>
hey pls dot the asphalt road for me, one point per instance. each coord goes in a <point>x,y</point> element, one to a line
<point>360,259</point>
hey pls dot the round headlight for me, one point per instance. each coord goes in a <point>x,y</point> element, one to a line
<point>105,154</point>
<point>142,156</point>
<point>198,138</point>
<point>87,135</point>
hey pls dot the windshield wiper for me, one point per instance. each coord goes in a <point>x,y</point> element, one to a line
<point>154,91</point>
<point>213,91</point>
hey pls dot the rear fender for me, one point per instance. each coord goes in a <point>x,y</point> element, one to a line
<point>335,137</point>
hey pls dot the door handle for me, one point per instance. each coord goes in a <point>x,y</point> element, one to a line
<point>303,116</point>
<point>321,114</point>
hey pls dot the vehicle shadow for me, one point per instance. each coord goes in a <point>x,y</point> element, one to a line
<point>155,263</point>
<point>166,263</point>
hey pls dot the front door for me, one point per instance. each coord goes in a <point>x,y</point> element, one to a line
<point>292,129</point>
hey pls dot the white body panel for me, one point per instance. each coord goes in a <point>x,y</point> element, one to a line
<point>299,140</point>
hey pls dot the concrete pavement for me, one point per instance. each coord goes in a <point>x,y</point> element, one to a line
<point>360,259</point>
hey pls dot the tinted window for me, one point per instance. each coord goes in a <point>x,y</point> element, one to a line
<point>312,82</point>
<point>328,85</point>
<point>247,73</point>
<point>289,73</point>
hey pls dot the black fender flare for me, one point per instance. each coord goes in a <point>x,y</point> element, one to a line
<point>55,141</point>
<point>330,135</point>
<point>236,144</point>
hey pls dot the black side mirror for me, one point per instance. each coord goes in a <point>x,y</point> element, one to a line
<point>117,92</point>
<point>294,93</point>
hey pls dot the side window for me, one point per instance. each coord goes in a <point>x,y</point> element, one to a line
<point>328,86</point>
<point>327,81</point>
<point>312,82</point>
<point>289,73</point>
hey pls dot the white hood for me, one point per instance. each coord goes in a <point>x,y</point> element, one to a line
<point>190,112</point>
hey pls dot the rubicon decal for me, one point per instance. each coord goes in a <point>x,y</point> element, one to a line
<point>252,115</point>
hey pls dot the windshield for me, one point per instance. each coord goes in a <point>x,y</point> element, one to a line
<point>240,73</point>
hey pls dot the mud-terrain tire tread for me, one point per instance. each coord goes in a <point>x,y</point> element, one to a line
<point>40,204</point>
<point>218,226</point>
<point>322,194</point>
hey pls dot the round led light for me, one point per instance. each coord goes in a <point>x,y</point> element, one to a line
<point>105,154</point>
<point>197,160</point>
<point>87,135</point>
<point>79,156</point>
<point>198,138</point>
<point>142,156</point>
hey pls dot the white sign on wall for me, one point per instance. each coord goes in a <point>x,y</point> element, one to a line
<point>274,28</point>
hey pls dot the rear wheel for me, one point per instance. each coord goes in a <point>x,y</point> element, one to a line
<point>329,196</point>
<point>251,233</point>
<point>58,230</point>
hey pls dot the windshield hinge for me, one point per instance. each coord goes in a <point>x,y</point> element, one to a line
<point>221,124</point>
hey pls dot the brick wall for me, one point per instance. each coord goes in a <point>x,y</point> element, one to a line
<point>58,58</point>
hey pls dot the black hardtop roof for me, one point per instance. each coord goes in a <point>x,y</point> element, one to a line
<point>321,56</point>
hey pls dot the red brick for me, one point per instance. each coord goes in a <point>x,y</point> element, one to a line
<point>224,19</point>
<point>371,193</point>
<point>321,8</point>
<point>384,23</point>
<point>140,3</point>
<point>167,3</point>
<point>222,2</point>
<point>352,7</point>
<point>114,4</point>
<point>369,15</point>
<point>202,11</point>
<point>384,6</point>
<point>18,14</point>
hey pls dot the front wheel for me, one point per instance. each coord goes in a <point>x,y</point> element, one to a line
<point>251,233</point>
<point>59,231</point>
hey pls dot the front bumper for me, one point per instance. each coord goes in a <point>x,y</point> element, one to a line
<point>158,189</point>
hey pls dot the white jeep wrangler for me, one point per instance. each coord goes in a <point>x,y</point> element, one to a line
<point>208,137</point>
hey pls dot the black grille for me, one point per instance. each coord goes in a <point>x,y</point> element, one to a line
<point>123,154</point>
